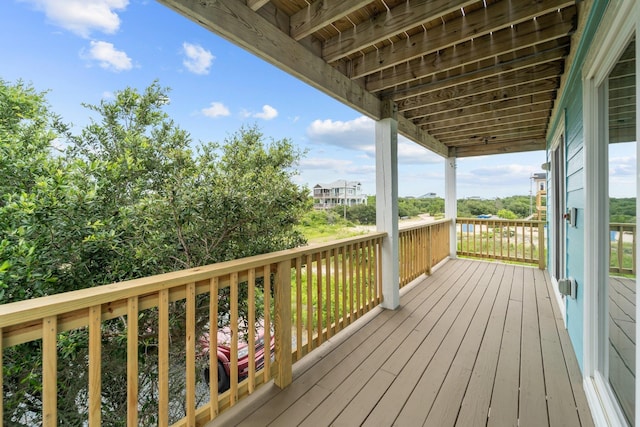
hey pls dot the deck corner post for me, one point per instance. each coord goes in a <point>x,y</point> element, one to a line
<point>451,202</point>
<point>282,316</point>
<point>429,251</point>
<point>542,245</point>
<point>387,204</point>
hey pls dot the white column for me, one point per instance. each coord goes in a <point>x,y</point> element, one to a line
<point>387,206</point>
<point>451,202</point>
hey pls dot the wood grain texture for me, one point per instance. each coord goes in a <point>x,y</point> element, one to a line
<point>461,350</point>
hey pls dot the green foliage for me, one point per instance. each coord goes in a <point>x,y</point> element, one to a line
<point>521,206</point>
<point>622,210</point>
<point>321,225</point>
<point>407,207</point>
<point>362,214</point>
<point>506,214</point>
<point>128,198</point>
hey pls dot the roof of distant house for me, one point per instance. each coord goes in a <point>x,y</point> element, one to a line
<point>338,184</point>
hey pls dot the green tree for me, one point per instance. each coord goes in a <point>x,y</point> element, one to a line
<point>506,214</point>
<point>128,198</point>
<point>362,214</point>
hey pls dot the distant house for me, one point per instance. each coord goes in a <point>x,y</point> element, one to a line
<point>428,196</point>
<point>338,193</point>
<point>540,179</point>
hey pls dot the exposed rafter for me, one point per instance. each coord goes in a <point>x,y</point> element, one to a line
<point>514,61</point>
<point>468,77</point>
<point>256,4</point>
<point>515,145</point>
<point>321,13</point>
<point>401,18</point>
<point>473,25</point>
<point>491,84</point>
<point>551,27</point>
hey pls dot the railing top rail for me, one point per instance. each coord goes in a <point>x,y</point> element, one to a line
<point>53,305</point>
<point>506,221</point>
<point>622,224</point>
<point>425,224</point>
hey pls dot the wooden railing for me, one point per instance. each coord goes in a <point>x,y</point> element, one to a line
<point>502,239</point>
<point>422,247</point>
<point>622,251</point>
<point>333,285</point>
<point>307,294</point>
<point>302,297</point>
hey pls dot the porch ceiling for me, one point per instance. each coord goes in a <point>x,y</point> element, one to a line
<point>466,77</point>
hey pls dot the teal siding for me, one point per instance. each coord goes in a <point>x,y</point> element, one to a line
<point>571,104</point>
<point>575,199</point>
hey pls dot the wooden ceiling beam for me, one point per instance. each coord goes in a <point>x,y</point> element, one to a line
<point>513,113</point>
<point>624,83</point>
<point>256,4</point>
<point>321,13</point>
<point>550,27</point>
<point>514,92</point>
<point>622,134</point>
<point>478,23</point>
<point>498,107</point>
<point>538,125</point>
<point>407,129</point>
<point>401,18</point>
<point>496,137</point>
<point>515,146</point>
<point>513,61</point>
<point>498,82</point>
<point>482,125</point>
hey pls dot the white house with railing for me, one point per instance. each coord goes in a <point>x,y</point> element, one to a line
<point>338,193</point>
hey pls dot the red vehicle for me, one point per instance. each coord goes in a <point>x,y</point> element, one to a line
<point>224,355</point>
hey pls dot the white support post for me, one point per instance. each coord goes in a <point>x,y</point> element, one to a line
<point>387,205</point>
<point>451,202</point>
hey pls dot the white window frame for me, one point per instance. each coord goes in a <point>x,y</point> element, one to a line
<point>558,137</point>
<point>608,45</point>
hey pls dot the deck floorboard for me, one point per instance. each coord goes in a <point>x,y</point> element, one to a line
<point>475,343</point>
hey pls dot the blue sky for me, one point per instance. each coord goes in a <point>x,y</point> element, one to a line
<point>84,50</point>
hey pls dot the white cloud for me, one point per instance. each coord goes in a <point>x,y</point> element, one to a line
<point>359,135</point>
<point>511,170</point>
<point>412,153</point>
<point>498,175</point>
<point>216,109</point>
<point>197,59</point>
<point>83,16</point>
<point>109,57</point>
<point>326,164</point>
<point>622,166</point>
<point>268,113</point>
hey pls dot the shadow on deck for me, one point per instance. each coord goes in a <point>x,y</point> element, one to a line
<point>476,343</point>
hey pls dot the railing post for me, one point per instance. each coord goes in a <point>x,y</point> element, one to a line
<point>283,324</point>
<point>429,250</point>
<point>541,247</point>
<point>49,371</point>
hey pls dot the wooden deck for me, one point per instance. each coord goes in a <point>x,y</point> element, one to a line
<point>475,344</point>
